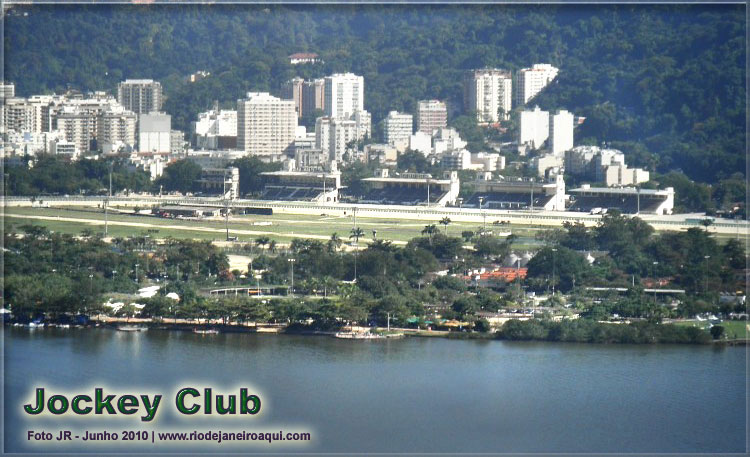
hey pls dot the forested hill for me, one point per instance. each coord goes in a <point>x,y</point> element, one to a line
<point>663,82</point>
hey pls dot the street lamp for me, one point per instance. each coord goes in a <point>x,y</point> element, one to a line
<point>291,267</point>
<point>554,268</point>
<point>374,234</point>
<point>484,216</point>
<point>705,273</point>
<point>653,274</point>
<point>136,272</point>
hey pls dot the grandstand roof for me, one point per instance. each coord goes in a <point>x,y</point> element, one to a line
<point>409,180</point>
<point>620,191</point>
<point>301,173</point>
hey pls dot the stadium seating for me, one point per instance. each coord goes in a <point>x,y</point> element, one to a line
<point>505,200</point>
<point>398,195</point>
<point>627,204</point>
<point>291,193</point>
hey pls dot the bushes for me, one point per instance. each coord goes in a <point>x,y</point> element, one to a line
<point>587,331</point>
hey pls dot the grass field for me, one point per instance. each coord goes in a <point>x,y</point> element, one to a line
<point>733,329</point>
<point>282,228</point>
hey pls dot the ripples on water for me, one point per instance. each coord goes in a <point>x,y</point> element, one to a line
<point>411,395</point>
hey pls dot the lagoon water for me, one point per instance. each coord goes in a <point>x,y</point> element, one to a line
<point>410,395</point>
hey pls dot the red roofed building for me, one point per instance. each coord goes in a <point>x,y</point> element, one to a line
<point>303,57</point>
<point>498,277</point>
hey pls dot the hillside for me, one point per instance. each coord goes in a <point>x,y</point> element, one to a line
<point>665,83</point>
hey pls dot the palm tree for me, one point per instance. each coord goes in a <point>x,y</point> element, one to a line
<point>446,221</point>
<point>356,233</point>
<point>334,243</point>
<point>262,241</point>
<point>430,230</point>
<point>272,246</point>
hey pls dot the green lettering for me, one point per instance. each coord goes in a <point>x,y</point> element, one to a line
<point>244,398</point>
<point>39,403</point>
<point>180,400</point>
<point>63,404</point>
<point>151,408</point>
<point>74,405</point>
<point>101,403</point>
<point>220,405</point>
<point>128,404</point>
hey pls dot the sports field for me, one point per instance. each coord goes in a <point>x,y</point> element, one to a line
<point>281,228</point>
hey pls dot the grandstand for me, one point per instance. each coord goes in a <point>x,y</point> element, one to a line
<point>411,189</point>
<point>311,186</point>
<point>517,193</point>
<point>627,200</point>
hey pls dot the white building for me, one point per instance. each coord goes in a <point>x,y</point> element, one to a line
<point>333,136</point>
<point>216,129</point>
<point>547,165</point>
<point>140,96</point>
<point>398,127</point>
<point>155,132</point>
<point>78,126</point>
<point>116,126</point>
<point>303,57</point>
<point>431,115</point>
<point>7,90</point>
<point>344,95</point>
<point>265,125</point>
<point>447,140</point>
<point>487,92</point>
<point>531,81</point>
<point>421,142</point>
<point>533,128</point>
<point>560,132</point>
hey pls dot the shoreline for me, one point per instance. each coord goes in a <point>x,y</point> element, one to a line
<point>185,325</point>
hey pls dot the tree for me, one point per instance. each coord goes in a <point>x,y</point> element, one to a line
<point>334,244</point>
<point>430,231</point>
<point>181,176</point>
<point>717,331</point>
<point>446,221</point>
<point>356,233</point>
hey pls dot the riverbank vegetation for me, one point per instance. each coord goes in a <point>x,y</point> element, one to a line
<point>427,283</point>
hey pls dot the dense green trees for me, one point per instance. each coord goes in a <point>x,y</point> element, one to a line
<point>53,175</point>
<point>663,82</point>
<point>181,176</point>
<point>587,331</point>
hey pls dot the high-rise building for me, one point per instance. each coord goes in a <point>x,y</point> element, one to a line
<point>7,90</point>
<point>531,81</point>
<point>265,125</point>
<point>116,125</point>
<point>431,115</point>
<point>177,142</point>
<point>334,135</point>
<point>344,95</point>
<point>216,129</point>
<point>155,132</point>
<point>18,116</point>
<point>78,127</point>
<point>292,90</point>
<point>533,128</point>
<point>140,96</point>
<point>488,92</point>
<point>398,127</point>
<point>560,132</point>
<point>313,96</point>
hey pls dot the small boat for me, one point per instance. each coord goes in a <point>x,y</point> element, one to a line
<point>131,328</point>
<point>209,331</point>
<point>358,336</point>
